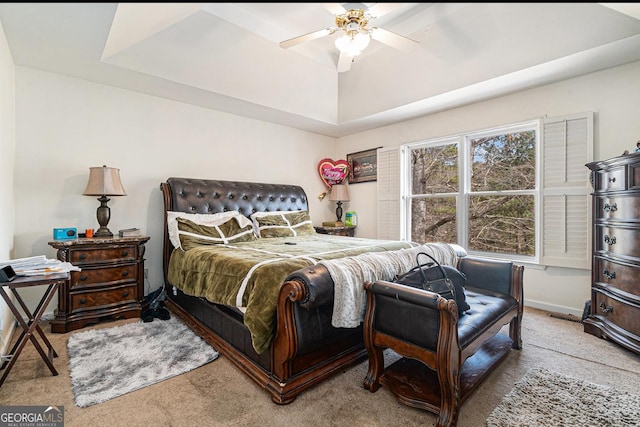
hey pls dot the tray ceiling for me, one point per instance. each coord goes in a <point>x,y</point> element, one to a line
<point>226,56</point>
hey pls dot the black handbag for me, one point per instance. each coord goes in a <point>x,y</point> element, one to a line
<point>432,276</point>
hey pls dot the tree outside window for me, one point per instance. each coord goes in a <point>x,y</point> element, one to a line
<point>478,191</point>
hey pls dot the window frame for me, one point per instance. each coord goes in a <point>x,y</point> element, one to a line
<point>463,141</point>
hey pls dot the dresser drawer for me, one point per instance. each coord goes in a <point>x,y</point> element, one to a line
<point>624,315</point>
<point>621,241</point>
<point>103,254</point>
<point>634,177</point>
<point>88,300</point>
<point>617,208</point>
<point>92,277</point>
<point>613,179</point>
<point>618,278</point>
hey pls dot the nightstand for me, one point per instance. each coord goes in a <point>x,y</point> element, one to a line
<point>337,231</point>
<point>110,285</point>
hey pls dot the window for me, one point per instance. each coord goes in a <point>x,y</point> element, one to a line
<point>478,190</point>
<point>517,192</point>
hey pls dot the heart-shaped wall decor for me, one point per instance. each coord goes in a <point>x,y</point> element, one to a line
<point>333,171</point>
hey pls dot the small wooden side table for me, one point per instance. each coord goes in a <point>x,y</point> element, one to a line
<point>31,328</point>
<point>337,231</point>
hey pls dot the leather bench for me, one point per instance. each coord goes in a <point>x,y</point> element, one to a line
<point>444,357</point>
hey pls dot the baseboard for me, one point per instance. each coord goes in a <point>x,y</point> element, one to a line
<point>553,308</point>
<point>6,336</point>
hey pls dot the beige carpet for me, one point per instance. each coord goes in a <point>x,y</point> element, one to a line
<point>218,394</point>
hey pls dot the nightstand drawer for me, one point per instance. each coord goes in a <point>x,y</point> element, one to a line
<point>89,277</point>
<point>107,254</point>
<point>81,301</point>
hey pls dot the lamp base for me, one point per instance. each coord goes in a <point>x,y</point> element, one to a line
<point>104,214</point>
<point>103,232</point>
<point>339,211</point>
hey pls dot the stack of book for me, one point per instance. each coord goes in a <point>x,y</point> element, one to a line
<point>333,224</point>
<point>130,232</point>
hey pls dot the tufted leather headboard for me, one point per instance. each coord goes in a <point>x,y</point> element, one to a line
<point>211,196</point>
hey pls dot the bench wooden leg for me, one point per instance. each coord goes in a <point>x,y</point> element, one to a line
<point>376,366</point>
<point>515,332</point>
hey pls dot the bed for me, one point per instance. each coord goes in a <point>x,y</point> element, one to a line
<point>266,303</point>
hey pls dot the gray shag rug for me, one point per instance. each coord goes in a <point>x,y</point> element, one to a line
<point>107,363</point>
<point>546,398</point>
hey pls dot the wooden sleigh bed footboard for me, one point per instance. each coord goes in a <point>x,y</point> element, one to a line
<point>306,349</point>
<point>280,370</point>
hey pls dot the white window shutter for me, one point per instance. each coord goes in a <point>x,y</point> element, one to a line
<point>389,193</point>
<point>567,146</point>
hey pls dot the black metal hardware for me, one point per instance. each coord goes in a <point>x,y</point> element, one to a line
<point>610,208</point>
<point>610,275</point>
<point>605,308</point>
<point>609,240</point>
<point>83,300</point>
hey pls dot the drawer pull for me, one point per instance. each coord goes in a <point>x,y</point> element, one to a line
<point>125,253</point>
<point>612,179</point>
<point>125,294</point>
<point>609,275</point>
<point>83,256</point>
<point>609,240</point>
<point>83,278</point>
<point>83,301</point>
<point>610,208</point>
<point>606,309</point>
<point>125,273</point>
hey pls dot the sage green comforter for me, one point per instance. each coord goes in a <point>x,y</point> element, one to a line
<point>249,274</point>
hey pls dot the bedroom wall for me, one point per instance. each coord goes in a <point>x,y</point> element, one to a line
<point>612,94</point>
<point>66,125</point>
<point>7,117</point>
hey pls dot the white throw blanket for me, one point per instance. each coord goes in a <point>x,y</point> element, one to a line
<point>349,275</point>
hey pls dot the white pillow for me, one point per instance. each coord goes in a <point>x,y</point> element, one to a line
<point>203,219</point>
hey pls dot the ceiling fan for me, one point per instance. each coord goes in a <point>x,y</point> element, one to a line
<point>352,19</point>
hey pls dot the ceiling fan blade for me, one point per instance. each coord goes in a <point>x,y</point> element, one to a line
<point>344,62</point>
<point>335,8</point>
<point>393,39</point>
<point>306,37</point>
<point>379,9</point>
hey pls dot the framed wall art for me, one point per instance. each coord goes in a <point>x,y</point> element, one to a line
<point>363,166</point>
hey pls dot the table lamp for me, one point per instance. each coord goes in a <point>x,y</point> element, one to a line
<point>339,194</point>
<point>103,182</point>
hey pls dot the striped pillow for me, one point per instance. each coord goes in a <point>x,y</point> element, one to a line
<point>192,234</point>
<point>282,224</point>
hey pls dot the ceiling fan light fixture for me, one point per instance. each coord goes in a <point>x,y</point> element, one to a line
<point>353,44</point>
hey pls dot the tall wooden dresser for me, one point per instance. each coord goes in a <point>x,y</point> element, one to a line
<point>615,272</point>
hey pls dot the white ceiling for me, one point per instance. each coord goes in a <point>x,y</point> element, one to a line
<point>226,56</point>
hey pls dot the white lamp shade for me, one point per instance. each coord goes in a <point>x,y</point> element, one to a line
<point>104,181</point>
